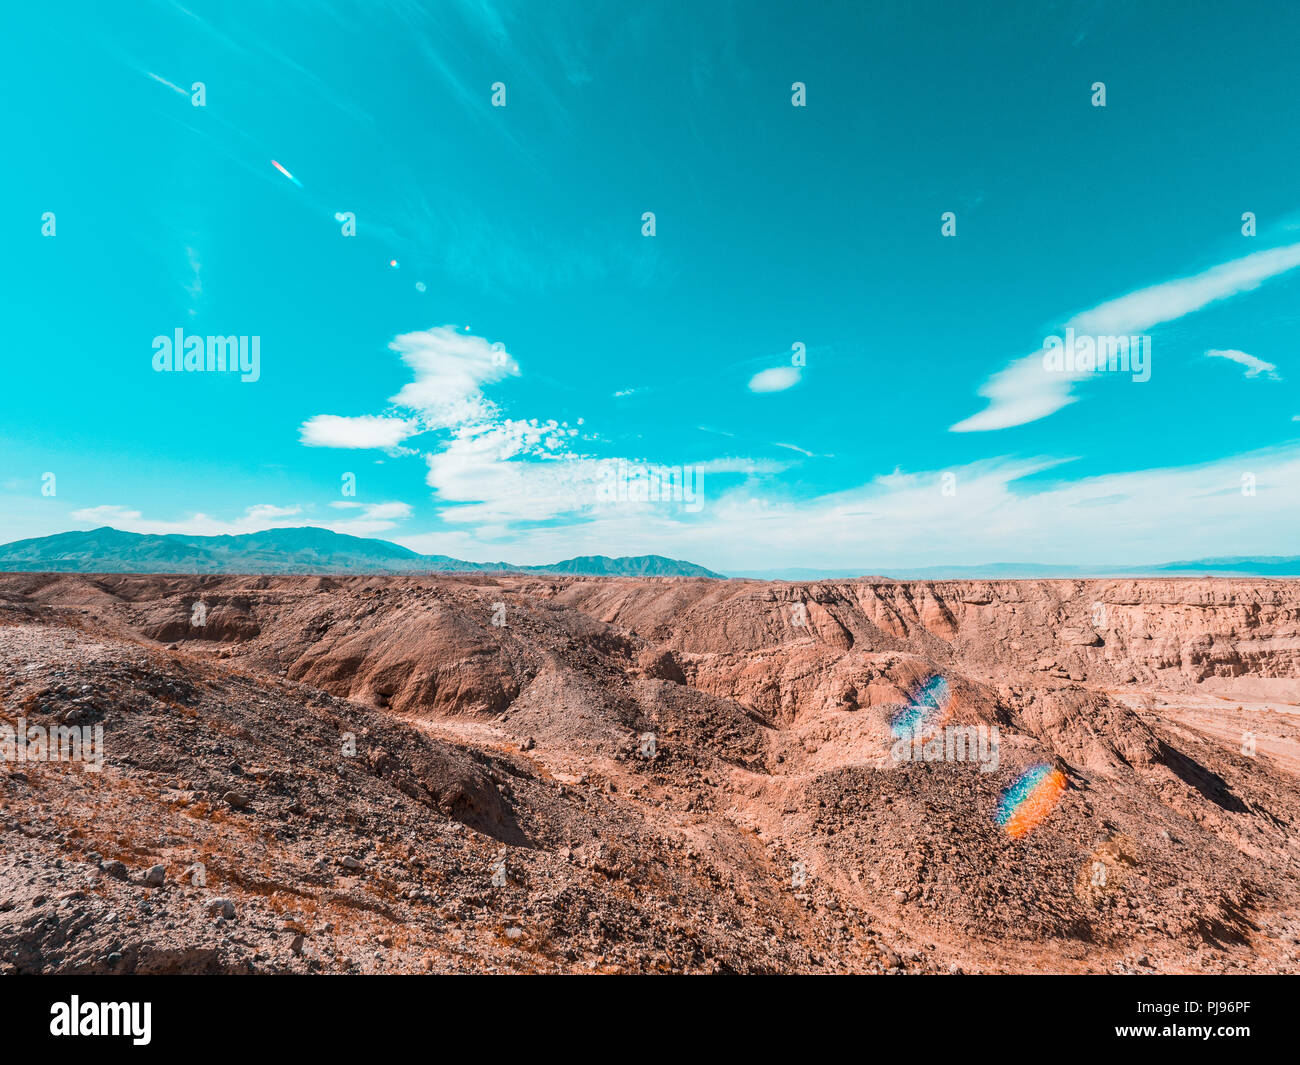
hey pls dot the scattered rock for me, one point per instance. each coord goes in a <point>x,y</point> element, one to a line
<point>221,907</point>
<point>116,870</point>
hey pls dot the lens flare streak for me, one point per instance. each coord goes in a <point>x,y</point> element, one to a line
<point>1030,800</point>
<point>286,173</point>
<point>926,710</point>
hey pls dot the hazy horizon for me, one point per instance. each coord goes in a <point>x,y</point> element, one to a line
<point>993,570</point>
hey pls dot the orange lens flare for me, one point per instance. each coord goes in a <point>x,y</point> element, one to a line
<point>1030,800</point>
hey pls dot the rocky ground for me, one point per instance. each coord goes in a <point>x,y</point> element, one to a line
<point>523,774</point>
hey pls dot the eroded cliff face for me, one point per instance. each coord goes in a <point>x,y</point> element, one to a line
<point>857,775</point>
<point>791,645</point>
<point>777,646</point>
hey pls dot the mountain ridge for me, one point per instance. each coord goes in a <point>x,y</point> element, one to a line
<point>312,549</point>
<point>300,549</point>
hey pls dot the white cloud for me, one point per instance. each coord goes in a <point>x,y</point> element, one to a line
<point>264,513</point>
<point>1148,307</point>
<point>525,491</point>
<point>514,470</point>
<point>748,467</point>
<point>517,471</point>
<point>376,510</point>
<point>366,431</point>
<point>451,368</point>
<point>485,488</point>
<point>1024,391</point>
<point>1254,366</point>
<point>489,469</point>
<point>1021,393</point>
<point>1005,510</point>
<point>1002,511</point>
<point>777,379</point>
<point>255,519</point>
<point>373,519</point>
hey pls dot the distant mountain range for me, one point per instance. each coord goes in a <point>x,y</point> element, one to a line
<point>1245,566</point>
<point>303,550</point>
<point>313,550</point>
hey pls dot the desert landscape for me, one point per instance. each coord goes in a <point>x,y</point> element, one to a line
<point>541,773</point>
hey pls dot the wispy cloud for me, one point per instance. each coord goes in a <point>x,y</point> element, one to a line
<point>255,519</point>
<point>375,510</point>
<point>365,431</point>
<point>164,81</point>
<point>777,379</point>
<point>485,467</point>
<point>1010,510</point>
<point>1004,510</point>
<point>1255,367</point>
<point>531,490</point>
<point>194,286</point>
<point>372,519</point>
<point>1025,391</point>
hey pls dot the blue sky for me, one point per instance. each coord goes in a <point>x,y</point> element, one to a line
<point>531,341</point>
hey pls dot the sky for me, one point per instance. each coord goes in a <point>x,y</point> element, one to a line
<point>803,274</point>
